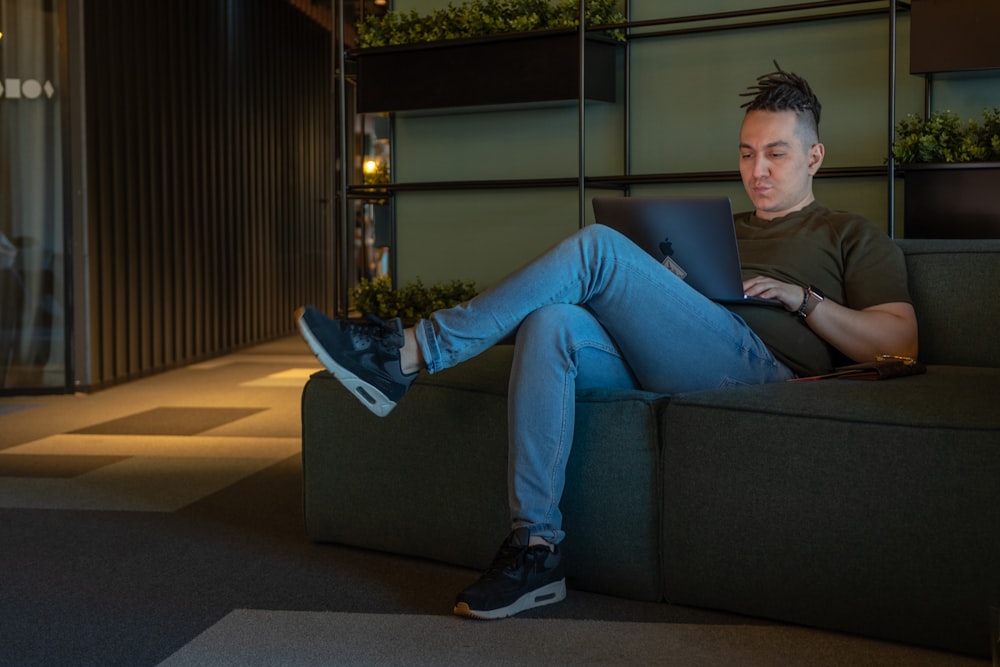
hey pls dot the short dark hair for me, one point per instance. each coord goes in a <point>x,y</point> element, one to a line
<point>784,91</point>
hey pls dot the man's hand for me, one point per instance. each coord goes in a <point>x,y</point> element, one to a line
<point>887,328</point>
<point>763,287</point>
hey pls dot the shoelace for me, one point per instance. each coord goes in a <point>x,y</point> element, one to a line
<point>510,559</point>
<point>388,334</point>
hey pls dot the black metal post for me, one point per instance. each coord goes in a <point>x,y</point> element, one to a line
<point>582,121</point>
<point>892,121</point>
<point>340,156</point>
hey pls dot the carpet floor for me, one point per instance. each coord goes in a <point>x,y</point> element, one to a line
<point>160,522</point>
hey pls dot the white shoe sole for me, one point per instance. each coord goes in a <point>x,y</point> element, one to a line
<point>548,594</point>
<point>370,397</point>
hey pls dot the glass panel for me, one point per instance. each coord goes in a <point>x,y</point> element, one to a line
<point>373,216</point>
<point>32,260</point>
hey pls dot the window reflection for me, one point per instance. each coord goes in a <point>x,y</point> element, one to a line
<point>32,260</point>
<point>373,220</point>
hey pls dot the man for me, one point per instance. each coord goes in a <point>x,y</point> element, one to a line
<point>597,311</point>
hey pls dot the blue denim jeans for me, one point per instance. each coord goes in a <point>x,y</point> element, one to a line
<point>595,311</point>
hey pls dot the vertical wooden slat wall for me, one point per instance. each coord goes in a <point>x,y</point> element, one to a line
<point>210,178</point>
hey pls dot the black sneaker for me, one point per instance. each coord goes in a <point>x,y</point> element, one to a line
<point>520,578</point>
<point>364,357</point>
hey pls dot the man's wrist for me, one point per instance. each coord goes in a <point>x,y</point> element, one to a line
<point>811,297</point>
<point>805,302</point>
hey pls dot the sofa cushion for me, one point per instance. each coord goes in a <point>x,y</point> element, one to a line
<point>430,479</point>
<point>953,284</point>
<point>947,397</point>
<point>867,507</point>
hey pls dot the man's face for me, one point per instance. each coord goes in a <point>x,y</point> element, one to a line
<point>777,163</point>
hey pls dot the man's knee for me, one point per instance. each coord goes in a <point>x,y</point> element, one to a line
<point>601,234</point>
<point>555,317</point>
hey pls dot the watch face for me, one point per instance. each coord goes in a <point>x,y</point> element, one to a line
<point>817,293</point>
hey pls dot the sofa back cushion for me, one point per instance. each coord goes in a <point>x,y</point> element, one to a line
<point>954,286</point>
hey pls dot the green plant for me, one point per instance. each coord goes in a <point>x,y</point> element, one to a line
<point>478,18</point>
<point>412,301</point>
<point>988,134</point>
<point>944,137</point>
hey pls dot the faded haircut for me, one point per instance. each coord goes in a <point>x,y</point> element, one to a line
<point>785,91</point>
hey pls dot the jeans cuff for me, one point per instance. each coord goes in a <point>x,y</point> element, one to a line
<point>427,341</point>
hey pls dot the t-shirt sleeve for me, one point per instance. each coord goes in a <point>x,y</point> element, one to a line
<point>874,268</point>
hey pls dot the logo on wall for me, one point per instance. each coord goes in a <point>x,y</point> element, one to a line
<point>28,89</point>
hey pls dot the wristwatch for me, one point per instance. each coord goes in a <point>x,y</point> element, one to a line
<point>810,298</point>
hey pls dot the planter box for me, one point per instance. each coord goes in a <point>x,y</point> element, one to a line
<point>506,69</point>
<point>951,201</point>
<point>953,36</point>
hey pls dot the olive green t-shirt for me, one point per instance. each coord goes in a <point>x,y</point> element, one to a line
<point>841,254</point>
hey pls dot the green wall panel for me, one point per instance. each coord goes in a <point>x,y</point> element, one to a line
<point>694,82</point>
<point>966,93</point>
<point>657,9</point>
<point>538,142</point>
<point>478,235</point>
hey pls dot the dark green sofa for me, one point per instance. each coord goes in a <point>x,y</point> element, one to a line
<point>866,507</point>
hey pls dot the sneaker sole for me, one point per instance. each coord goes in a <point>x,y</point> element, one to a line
<point>370,396</point>
<point>547,594</point>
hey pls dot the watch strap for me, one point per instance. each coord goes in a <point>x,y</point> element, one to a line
<point>811,297</point>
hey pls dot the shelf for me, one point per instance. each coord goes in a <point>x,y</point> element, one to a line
<point>609,182</point>
<point>718,21</point>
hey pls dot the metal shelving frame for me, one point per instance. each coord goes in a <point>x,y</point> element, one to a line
<point>683,25</point>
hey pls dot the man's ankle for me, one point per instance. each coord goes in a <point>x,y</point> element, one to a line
<point>410,359</point>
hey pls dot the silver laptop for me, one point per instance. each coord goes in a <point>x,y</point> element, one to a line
<point>693,237</point>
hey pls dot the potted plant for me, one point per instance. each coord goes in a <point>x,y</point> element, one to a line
<point>411,302</point>
<point>951,173</point>
<point>485,52</point>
